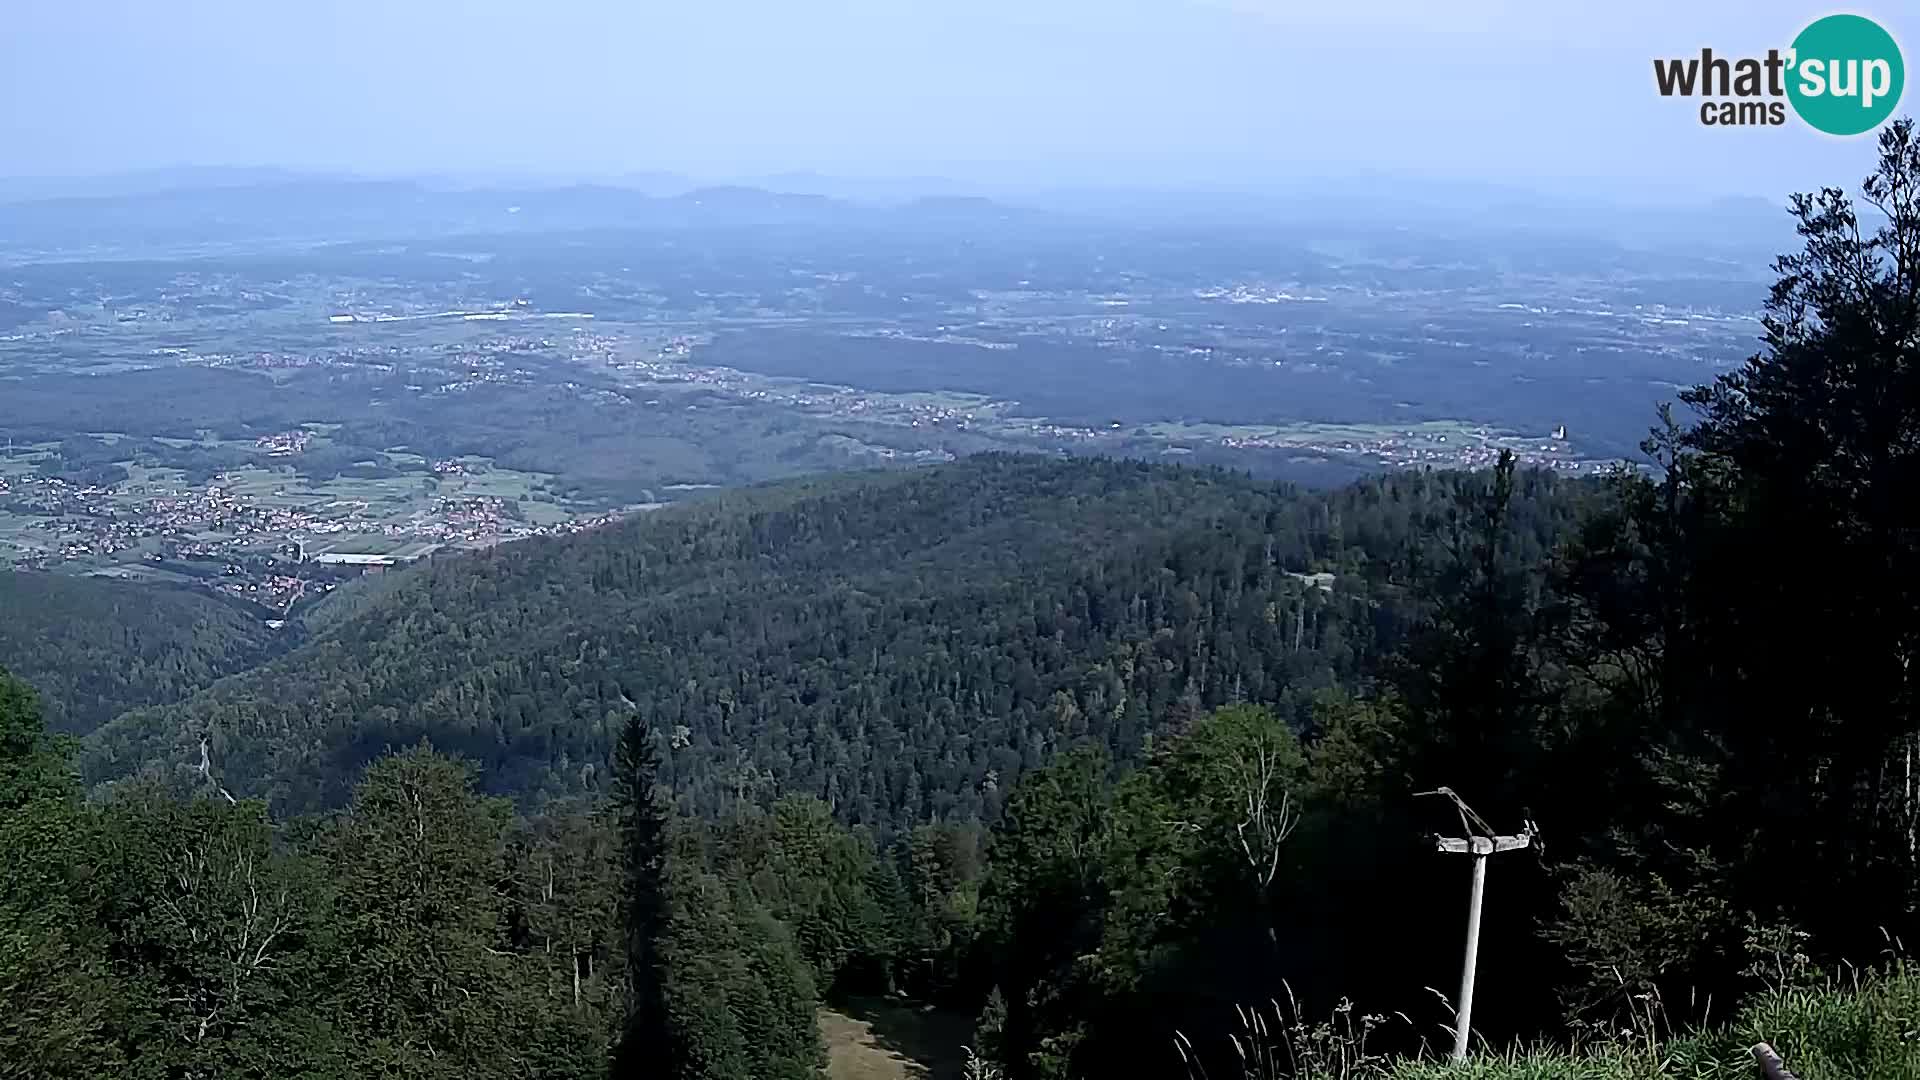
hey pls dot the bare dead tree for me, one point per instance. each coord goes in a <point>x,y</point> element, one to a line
<point>227,920</point>
<point>1269,815</point>
<point>206,772</point>
<point>1247,798</point>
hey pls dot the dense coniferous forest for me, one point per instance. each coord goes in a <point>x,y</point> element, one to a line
<point>96,647</point>
<point>1083,749</point>
<point>902,647</point>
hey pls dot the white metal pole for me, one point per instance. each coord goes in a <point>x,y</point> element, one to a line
<point>1463,1019</point>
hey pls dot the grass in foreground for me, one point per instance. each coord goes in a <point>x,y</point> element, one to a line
<point>1866,1027</point>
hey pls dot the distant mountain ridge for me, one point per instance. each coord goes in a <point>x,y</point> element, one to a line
<point>345,209</point>
<point>225,203</point>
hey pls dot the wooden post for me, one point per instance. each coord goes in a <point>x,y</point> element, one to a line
<point>1770,1064</point>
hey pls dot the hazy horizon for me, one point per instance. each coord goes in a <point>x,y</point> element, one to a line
<point>995,96</point>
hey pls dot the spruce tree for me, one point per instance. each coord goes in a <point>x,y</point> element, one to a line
<point>643,831</point>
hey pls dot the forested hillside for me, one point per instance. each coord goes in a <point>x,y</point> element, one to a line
<point>901,646</point>
<point>1067,747</point>
<point>96,647</point>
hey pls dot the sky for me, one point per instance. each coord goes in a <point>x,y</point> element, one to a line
<point>1552,95</point>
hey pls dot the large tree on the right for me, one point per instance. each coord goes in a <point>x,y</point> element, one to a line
<point>1755,611</point>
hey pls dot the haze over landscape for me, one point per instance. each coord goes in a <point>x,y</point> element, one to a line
<point>1210,94</point>
<point>755,541</point>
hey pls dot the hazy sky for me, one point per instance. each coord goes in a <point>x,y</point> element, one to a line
<point>1219,93</point>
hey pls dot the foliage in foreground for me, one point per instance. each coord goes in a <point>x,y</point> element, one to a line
<point>421,931</point>
<point>1864,1028</point>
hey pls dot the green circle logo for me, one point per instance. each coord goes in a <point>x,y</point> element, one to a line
<point>1846,76</point>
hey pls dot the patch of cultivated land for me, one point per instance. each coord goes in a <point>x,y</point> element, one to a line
<point>874,1039</point>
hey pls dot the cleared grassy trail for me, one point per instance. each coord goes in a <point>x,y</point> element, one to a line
<point>872,1039</point>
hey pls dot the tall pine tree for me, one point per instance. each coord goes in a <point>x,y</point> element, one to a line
<point>643,829</point>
